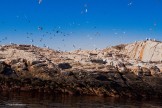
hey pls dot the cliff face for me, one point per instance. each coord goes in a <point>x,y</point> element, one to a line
<point>145,51</point>
<point>115,71</point>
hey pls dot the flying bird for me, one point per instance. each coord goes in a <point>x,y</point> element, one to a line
<point>40,28</point>
<point>32,40</point>
<point>39,1</point>
<point>86,10</point>
<point>130,4</point>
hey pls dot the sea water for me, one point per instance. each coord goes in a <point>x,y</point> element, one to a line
<point>34,100</point>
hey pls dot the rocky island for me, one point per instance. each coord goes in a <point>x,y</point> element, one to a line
<point>127,70</point>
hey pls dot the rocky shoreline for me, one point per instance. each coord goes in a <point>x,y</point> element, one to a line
<point>128,70</point>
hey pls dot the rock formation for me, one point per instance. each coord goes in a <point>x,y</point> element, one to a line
<point>147,51</point>
<point>132,70</point>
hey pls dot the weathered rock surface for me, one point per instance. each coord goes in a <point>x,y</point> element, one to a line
<point>145,51</point>
<point>132,70</point>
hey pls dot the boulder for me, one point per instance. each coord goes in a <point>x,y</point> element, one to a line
<point>64,66</point>
<point>5,69</point>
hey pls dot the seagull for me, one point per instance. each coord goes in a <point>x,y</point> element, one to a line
<point>41,40</point>
<point>40,28</point>
<point>129,4</point>
<point>39,1</point>
<point>86,10</point>
<point>32,40</point>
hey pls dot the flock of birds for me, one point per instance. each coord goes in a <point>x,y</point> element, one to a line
<point>55,32</point>
<point>58,32</point>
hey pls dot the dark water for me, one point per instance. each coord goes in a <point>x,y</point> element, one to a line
<point>28,100</point>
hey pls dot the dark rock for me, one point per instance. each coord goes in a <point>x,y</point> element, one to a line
<point>64,66</point>
<point>101,78</point>
<point>100,61</point>
<point>5,69</point>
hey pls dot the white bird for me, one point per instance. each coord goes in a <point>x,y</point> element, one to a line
<point>32,40</point>
<point>39,1</point>
<point>86,10</point>
<point>129,4</point>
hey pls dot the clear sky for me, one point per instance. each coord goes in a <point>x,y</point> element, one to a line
<point>73,24</point>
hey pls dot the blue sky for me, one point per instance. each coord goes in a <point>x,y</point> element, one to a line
<point>73,24</point>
